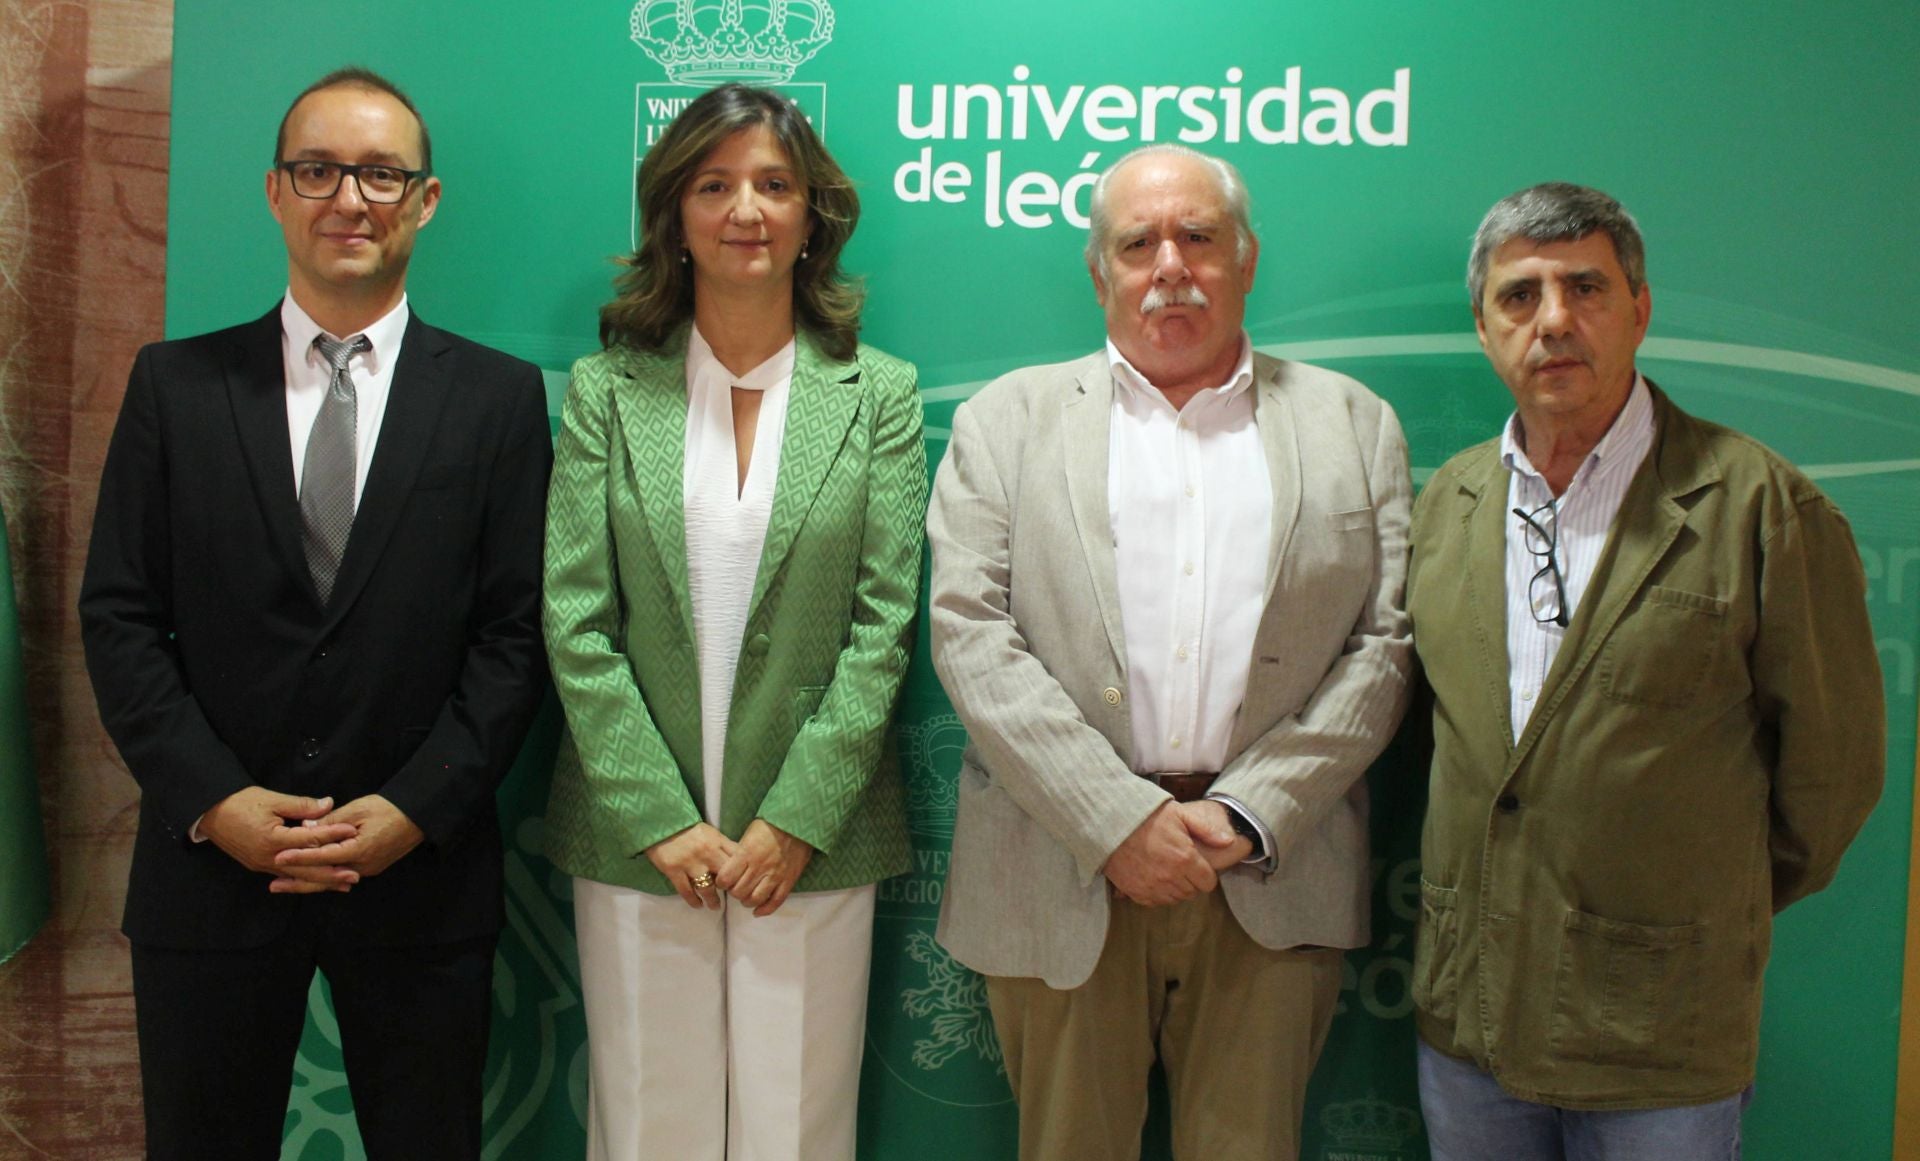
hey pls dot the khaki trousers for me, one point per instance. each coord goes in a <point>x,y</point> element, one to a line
<point>1236,1026</point>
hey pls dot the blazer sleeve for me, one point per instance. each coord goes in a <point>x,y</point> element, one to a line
<point>126,624</point>
<point>840,747</point>
<point>1820,692</point>
<point>631,777</point>
<point>1292,774</point>
<point>1032,738</point>
<point>474,739</point>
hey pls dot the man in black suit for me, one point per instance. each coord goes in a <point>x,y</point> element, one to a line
<point>311,615</point>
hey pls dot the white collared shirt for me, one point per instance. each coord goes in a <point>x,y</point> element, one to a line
<point>726,527</point>
<point>1191,507</point>
<point>309,375</point>
<point>1583,516</point>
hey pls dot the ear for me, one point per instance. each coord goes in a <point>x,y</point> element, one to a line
<point>1480,326</point>
<point>429,199</point>
<point>1253,260</point>
<point>1642,313</point>
<point>273,192</point>
<point>1099,283</point>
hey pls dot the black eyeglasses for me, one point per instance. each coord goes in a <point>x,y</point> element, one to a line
<point>384,184</point>
<point>1542,542</point>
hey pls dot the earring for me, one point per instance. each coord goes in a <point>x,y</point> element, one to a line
<point>685,257</point>
<point>803,251</point>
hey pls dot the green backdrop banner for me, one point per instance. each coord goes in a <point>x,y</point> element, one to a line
<point>1769,150</point>
<point>24,896</point>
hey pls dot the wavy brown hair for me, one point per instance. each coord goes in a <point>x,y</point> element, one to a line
<point>653,296</point>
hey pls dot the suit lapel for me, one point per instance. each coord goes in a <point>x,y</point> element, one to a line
<point>1085,428</point>
<point>257,389</point>
<point>821,403</point>
<point>1273,417</point>
<point>651,404</point>
<point>414,401</point>
<point>1484,531</point>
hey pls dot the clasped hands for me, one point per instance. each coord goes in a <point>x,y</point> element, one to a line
<point>1177,853</point>
<point>702,864</point>
<point>307,844</point>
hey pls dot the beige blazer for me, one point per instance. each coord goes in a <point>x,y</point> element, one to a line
<point>1027,640</point>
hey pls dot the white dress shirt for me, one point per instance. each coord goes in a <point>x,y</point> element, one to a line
<point>1583,515</point>
<point>726,527</point>
<point>309,375</point>
<point>1191,507</point>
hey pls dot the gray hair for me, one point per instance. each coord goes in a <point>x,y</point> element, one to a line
<point>1233,191</point>
<point>1557,211</point>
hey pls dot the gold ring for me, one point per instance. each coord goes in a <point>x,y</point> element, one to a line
<point>703,880</point>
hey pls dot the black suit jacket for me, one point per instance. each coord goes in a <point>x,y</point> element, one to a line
<point>216,667</point>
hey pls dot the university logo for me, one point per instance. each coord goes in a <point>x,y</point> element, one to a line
<point>703,43</point>
<point>710,42</point>
<point>927,1023</point>
<point>1368,1129</point>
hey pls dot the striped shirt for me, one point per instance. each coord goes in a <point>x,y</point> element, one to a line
<point>1578,521</point>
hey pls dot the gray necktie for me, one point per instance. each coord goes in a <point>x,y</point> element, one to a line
<point>327,472</point>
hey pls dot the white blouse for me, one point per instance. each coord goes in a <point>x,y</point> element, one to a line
<point>726,527</point>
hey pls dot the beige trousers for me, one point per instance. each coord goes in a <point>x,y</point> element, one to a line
<point>1236,1026</point>
<point>716,1036</point>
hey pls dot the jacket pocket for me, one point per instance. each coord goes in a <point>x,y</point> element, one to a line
<point>1624,993</point>
<point>1351,520</point>
<point>1659,653</point>
<point>806,701</point>
<point>1436,971</point>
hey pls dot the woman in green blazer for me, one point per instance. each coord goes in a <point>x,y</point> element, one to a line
<point>733,555</point>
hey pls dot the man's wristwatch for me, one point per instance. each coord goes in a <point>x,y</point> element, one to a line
<point>1243,826</point>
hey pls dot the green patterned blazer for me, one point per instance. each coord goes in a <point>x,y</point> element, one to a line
<point>828,634</point>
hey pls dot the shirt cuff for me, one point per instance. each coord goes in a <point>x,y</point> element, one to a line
<point>193,832</point>
<point>1262,849</point>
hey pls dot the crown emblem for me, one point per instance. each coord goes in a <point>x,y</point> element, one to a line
<point>930,753</point>
<point>1370,1123</point>
<point>707,42</point>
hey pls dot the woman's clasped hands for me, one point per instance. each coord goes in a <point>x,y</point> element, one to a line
<point>702,865</point>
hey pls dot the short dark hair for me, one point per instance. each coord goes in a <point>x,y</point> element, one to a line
<point>355,77</point>
<point>653,296</point>
<point>1557,211</point>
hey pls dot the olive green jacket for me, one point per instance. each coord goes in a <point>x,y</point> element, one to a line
<point>1597,898</point>
<point>828,633</point>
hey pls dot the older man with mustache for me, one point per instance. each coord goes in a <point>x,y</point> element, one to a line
<point>1658,720</point>
<point>1166,604</point>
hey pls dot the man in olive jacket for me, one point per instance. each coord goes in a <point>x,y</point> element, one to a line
<point>1658,720</point>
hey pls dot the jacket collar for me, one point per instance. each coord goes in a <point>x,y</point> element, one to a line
<point>821,404</point>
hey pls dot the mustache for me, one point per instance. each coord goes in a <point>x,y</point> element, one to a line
<point>1158,299</point>
<point>1542,358</point>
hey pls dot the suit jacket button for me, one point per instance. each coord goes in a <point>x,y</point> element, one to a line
<point>310,749</point>
<point>757,645</point>
<point>1507,803</point>
<point>1111,695</point>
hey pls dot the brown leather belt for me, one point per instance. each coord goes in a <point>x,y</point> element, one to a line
<point>1184,787</point>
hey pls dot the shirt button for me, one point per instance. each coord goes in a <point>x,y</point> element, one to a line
<point>1190,491</point>
<point>1526,695</point>
<point>1174,741</point>
<point>1181,653</point>
<point>1110,695</point>
<point>757,645</point>
<point>1189,568</point>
